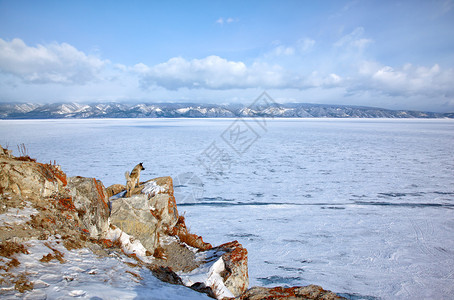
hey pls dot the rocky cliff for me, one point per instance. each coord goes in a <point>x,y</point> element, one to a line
<point>48,220</point>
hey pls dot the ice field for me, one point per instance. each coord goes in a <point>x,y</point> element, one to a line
<point>362,207</point>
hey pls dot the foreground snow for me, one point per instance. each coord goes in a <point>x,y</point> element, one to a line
<point>84,275</point>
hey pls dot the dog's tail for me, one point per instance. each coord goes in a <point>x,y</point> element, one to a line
<point>127,175</point>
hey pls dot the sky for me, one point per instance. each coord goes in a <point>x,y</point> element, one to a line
<point>390,54</point>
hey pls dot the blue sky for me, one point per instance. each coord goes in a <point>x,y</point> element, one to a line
<point>392,54</point>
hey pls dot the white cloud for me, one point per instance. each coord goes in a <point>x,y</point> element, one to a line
<point>302,46</point>
<point>282,50</point>
<point>214,72</point>
<point>305,45</point>
<point>228,20</point>
<point>52,63</point>
<point>408,80</point>
<point>354,39</point>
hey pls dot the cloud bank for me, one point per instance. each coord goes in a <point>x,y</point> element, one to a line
<point>53,63</point>
<point>60,65</point>
<point>214,72</point>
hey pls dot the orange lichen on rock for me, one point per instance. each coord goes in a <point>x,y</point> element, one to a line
<point>67,203</point>
<point>282,293</point>
<point>180,230</point>
<point>100,188</point>
<point>52,173</point>
<point>236,275</point>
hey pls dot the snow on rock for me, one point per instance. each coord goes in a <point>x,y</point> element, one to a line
<point>152,188</point>
<point>128,243</point>
<point>208,275</point>
<point>57,240</point>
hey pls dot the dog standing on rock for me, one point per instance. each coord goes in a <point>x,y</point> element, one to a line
<point>132,180</point>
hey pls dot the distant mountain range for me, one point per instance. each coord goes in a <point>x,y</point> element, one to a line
<point>191,110</point>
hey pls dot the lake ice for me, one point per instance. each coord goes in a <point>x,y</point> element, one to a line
<point>362,207</point>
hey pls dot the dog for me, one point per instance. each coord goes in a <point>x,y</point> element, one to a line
<point>132,180</point>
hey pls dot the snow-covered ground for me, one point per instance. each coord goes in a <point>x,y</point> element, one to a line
<point>359,206</point>
<point>84,275</point>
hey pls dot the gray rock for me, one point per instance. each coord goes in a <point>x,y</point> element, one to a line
<point>150,212</point>
<point>90,199</point>
<point>133,216</point>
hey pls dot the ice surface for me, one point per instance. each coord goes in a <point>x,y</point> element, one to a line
<point>362,207</point>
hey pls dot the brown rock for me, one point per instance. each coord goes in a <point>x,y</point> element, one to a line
<point>236,277</point>
<point>181,231</point>
<point>292,293</point>
<point>115,189</point>
<point>30,179</point>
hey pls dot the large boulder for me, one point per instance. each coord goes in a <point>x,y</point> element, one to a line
<point>236,277</point>
<point>160,192</point>
<point>222,271</point>
<point>133,215</point>
<point>148,213</point>
<point>90,200</point>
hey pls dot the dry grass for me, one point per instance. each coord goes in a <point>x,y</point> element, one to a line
<point>22,284</point>
<point>7,249</point>
<point>137,276</point>
<point>23,152</point>
<point>71,243</point>
<point>11,264</point>
<point>56,255</point>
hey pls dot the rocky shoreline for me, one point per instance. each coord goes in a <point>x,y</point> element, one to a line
<point>39,203</point>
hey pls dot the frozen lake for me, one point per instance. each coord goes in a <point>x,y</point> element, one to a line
<point>363,207</point>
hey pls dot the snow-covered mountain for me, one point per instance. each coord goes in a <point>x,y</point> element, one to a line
<point>193,110</point>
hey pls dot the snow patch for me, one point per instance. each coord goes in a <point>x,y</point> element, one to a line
<point>118,196</point>
<point>15,216</point>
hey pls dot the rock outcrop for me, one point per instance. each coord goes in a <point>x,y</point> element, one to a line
<point>79,212</point>
<point>27,178</point>
<point>292,293</point>
<point>90,200</point>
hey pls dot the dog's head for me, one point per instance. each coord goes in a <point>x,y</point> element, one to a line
<point>141,166</point>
